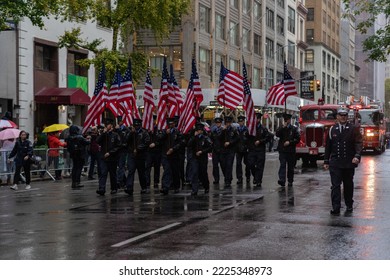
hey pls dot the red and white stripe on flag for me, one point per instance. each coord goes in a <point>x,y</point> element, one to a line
<point>231,88</point>
<point>147,117</point>
<point>275,94</point>
<point>248,104</point>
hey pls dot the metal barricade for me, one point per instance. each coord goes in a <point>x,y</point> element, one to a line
<point>6,167</point>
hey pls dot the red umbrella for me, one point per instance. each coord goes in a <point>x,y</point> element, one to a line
<point>7,123</point>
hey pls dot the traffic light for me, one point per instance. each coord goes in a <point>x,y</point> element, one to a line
<point>312,85</point>
<point>318,83</point>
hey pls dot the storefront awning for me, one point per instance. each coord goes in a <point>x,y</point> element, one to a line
<point>62,96</point>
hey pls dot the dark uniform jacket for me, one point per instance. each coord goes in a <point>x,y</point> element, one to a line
<point>228,134</point>
<point>200,142</point>
<point>262,135</point>
<point>109,142</point>
<point>76,145</point>
<point>173,140</point>
<point>216,139</point>
<point>137,142</point>
<point>155,138</point>
<point>289,133</point>
<point>342,147</point>
<point>242,144</point>
<point>21,149</point>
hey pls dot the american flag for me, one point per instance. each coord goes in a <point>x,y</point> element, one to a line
<point>147,117</point>
<point>126,98</point>
<point>96,108</point>
<point>275,94</point>
<point>289,83</point>
<point>190,107</point>
<point>278,93</point>
<point>248,104</point>
<point>112,97</point>
<point>231,88</point>
<point>175,101</point>
<point>163,97</point>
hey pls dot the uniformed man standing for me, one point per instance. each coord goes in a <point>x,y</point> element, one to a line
<point>229,139</point>
<point>342,155</point>
<point>153,158</point>
<point>109,142</point>
<point>172,141</point>
<point>242,151</point>
<point>136,143</point>
<point>257,151</point>
<point>199,145</point>
<point>216,132</point>
<point>288,138</point>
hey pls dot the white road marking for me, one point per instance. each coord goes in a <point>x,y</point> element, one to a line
<point>145,235</point>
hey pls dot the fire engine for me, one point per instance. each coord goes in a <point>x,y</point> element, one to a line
<point>315,121</point>
<point>368,114</point>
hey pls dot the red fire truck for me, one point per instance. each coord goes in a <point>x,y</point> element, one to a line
<point>369,115</point>
<point>315,121</point>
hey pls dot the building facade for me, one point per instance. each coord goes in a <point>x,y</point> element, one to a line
<point>34,83</point>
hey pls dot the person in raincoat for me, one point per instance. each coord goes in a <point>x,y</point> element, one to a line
<point>54,143</point>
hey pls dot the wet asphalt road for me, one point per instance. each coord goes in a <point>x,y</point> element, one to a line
<point>52,221</point>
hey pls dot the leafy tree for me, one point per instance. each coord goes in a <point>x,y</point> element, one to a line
<point>377,45</point>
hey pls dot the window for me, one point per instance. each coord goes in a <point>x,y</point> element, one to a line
<point>218,59</point>
<point>45,58</point>
<point>332,83</point>
<point>324,17</point>
<point>328,61</point>
<point>337,66</point>
<point>328,82</point>
<point>74,67</point>
<point>220,27</point>
<point>246,6</point>
<point>333,63</point>
<point>269,77</point>
<point>234,65</point>
<point>204,61</point>
<point>291,53</point>
<point>157,62</point>
<point>204,18</point>
<point>280,53</point>
<point>309,56</point>
<point>257,44</point>
<point>279,76</point>
<point>270,18</point>
<point>257,10</point>
<point>291,20</point>
<point>256,78</point>
<point>246,36</point>
<point>269,48</point>
<point>310,14</point>
<point>323,59</point>
<point>234,3</point>
<point>309,35</point>
<point>234,39</point>
<point>280,25</point>
<point>281,3</point>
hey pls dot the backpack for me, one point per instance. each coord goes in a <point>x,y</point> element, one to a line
<point>74,146</point>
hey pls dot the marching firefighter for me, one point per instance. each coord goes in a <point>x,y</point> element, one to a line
<point>200,145</point>
<point>342,155</point>
<point>288,139</point>
<point>242,151</point>
<point>216,131</point>
<point>257,151</point>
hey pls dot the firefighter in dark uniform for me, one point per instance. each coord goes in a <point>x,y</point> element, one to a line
<point>342,155</point>
<point>242,151</point>
<point>216,131</point>
<point>229,139</point>
<point>257,151</point>
<point>110,143</point>
<point>136,143</point>
<point>200,145</point>
<point>288,138</point>
<point>153,158</point>
<point>122,131</point>
<point>172,141</point>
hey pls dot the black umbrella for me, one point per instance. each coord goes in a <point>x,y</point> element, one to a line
<point>65,133</point>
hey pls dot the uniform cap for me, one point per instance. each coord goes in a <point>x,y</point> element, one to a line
<point>137,122</point>
<point>241,118</point>
<point>218,120</point>
<point>342,111</point>
<point>170,121</point>
<point>287,116</point>
<point>228,119</point>
<point>199,126</point>
<point>259,115</point>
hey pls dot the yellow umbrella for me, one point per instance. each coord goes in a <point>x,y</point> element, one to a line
<point>55,127</point>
